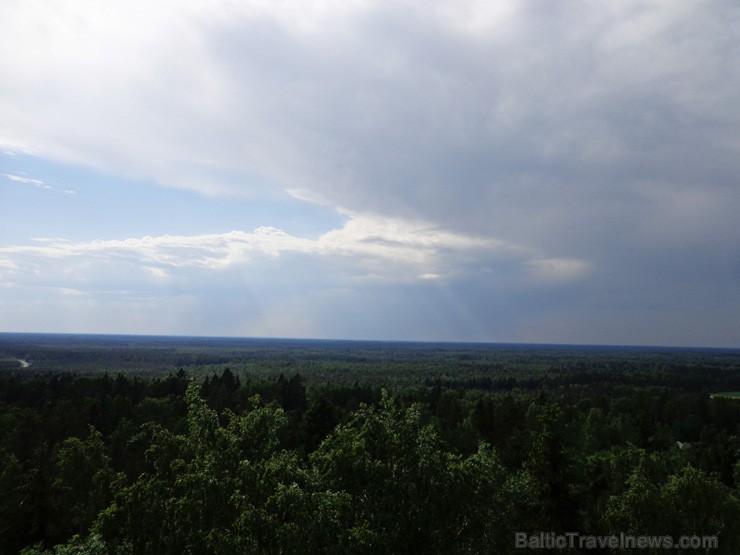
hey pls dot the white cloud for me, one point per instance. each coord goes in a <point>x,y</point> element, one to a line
<point>393,248</point>
<point>350,282</point>
<point>36,183</point>
<point>437,111</point>
<point>26,180</point>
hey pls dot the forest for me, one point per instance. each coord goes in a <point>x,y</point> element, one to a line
<point>133,445</point>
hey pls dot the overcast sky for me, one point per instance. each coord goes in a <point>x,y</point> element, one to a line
<point>509,171</point>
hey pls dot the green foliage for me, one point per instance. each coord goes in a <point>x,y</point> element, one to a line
<point>13,480</point>
<point>411,493</point>
<point>224,488</point>
<point>639,509</point>
<point>83,481</point>
<point>696,503</point>
<point>90,545</point>
<point>688,502</point>
<point>726,394</point>
<point>296,452</point>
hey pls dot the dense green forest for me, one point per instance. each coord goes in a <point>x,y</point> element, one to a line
<point>131,446</point>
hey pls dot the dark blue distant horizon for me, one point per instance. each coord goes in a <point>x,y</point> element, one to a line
<point>144,339</point>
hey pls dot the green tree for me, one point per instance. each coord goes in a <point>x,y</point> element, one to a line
<point>639,509</point>
<point>83,482</point>
<point>410,493</point>
<point>226,486</point>
<point>89,545</point>
<point>12,503</point>
<point>550,467</point>
<point>698,504</point>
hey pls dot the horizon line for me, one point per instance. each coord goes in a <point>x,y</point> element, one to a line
<point>481,343</point>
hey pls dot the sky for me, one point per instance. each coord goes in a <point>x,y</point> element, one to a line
<point>513,171</point>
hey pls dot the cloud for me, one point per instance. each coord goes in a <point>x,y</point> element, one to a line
<point>36,182</point>
<point>557,269</point>
<point>375,276</point>
<point>386,248</point>
<point>587,146</point>
<point>26,180</point>
<point>457,113</point>
<point>363,281</point>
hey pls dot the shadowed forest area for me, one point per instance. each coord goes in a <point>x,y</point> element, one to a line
<point>130,445</point>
